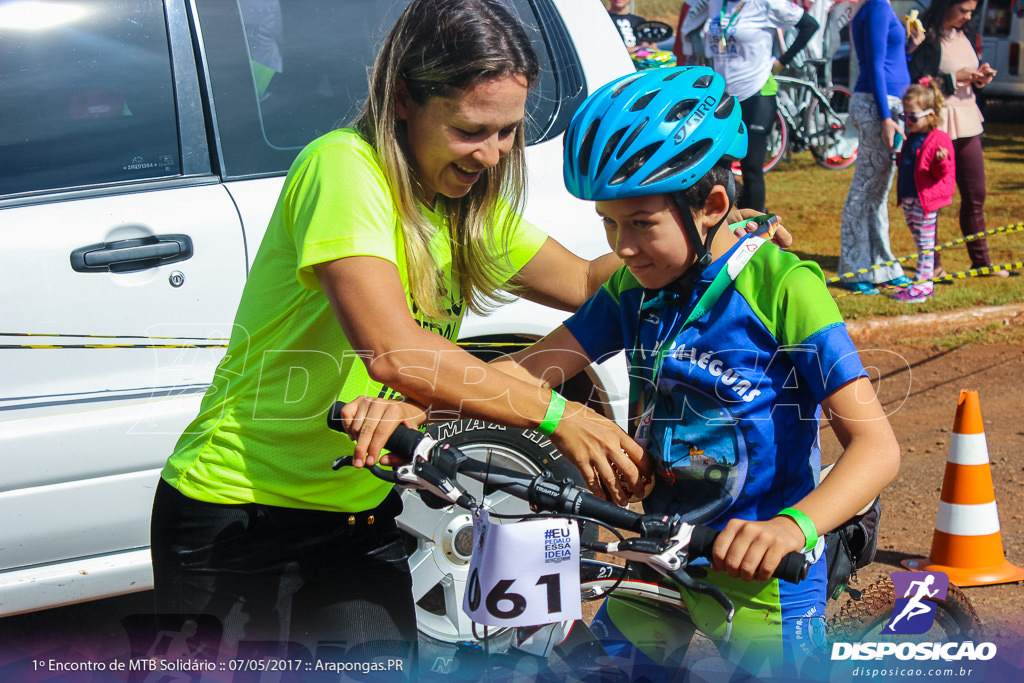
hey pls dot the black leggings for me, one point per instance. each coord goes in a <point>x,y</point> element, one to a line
<point>759,115</point>
<point>286,575</point>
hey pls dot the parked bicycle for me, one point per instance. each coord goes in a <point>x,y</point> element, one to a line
<point>657,555</point>
<point>812,117</point>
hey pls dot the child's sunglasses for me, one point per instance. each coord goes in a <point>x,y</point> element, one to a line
<point>914,118</point>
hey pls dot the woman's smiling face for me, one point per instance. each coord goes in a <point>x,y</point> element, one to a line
<point>452,141</point>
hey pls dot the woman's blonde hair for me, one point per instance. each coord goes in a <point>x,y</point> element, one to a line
<point>926,94</point>
<point>439,48</point>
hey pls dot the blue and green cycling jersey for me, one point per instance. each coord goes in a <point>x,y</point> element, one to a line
<point>726,377</point>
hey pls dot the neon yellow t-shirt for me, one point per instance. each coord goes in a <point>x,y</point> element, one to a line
<point>261,435</point>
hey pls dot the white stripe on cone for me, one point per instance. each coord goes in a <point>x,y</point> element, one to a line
<point>968,449</point>
<point>967,520</point>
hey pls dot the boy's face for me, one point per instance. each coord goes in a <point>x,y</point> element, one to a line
<point>647,234</point>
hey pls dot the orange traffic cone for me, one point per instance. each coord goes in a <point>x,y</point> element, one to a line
<point>967,545</point>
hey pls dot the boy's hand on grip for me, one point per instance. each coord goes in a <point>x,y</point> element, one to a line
<point>752,550</point>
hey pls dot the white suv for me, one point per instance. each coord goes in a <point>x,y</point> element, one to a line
<point>142,147</point>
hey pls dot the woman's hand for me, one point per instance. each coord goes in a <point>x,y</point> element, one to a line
<point>984,75</point>
<point>612,464</point>
<point>915,36</point>
<point>782,237</point>
<point>370,421</point>
<point>889,130</point>
<point>941,154</point>
<point>966,75</point>
<point>753,550</point>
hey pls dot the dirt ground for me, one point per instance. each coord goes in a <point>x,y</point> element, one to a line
<point>919,382</point>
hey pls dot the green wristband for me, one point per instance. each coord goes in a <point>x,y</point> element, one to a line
<point>556,407</point>
<point>806,526</point>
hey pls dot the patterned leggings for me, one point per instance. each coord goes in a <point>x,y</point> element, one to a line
<point>922,227</point>
<point>864,231</point>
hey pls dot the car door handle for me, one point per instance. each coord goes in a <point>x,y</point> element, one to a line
<point>124,256</point>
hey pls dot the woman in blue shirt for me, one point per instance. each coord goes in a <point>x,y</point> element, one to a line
<point>879,40</point>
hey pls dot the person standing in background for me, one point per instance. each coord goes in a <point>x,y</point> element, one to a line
<point>879,40</point>
<point>924,183</point>
<point>945,52</point>
<point>740,37</point>
<point>625,23</point>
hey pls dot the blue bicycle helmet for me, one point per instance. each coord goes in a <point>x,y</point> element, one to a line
<point>656,131</point>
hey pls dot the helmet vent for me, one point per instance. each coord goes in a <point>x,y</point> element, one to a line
<point>644,101</point>
<point>609,147</point>
<point>587,147</point>
<point>703,82</point>
<point>680,163</point>
<point>680,110</point>
<point>633,164</point>
<point>632,137</point>
<point>676,73</point>
<point>623,86</point>
<point>725,107</point>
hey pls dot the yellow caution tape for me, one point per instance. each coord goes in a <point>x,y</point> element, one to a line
<point>961,275</point>
<point>1004,230</point>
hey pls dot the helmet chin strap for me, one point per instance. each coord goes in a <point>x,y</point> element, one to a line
<point>702,247</point>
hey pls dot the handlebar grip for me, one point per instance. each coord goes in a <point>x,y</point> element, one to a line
<point>610,513</point>
<point>402,442</point>
<point>792,568</point>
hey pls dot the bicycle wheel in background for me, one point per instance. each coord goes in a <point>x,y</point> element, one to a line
<point>863,620</point>
<point>832,149</point>
<point>778,144</point>
<point>439,541</point>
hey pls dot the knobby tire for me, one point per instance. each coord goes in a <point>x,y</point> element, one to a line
<point>862,620</point>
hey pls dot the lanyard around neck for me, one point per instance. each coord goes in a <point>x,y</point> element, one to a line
<point>723,278</point>
<point>732,19</point>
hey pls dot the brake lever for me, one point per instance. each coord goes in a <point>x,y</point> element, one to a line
<point>419,475</point>
<point>425,476</point>
<point>379,472</point>
<point>670,558</point>
<point>665,556</point>
<point>688,582</point>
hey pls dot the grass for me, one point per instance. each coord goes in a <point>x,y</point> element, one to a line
<point>658,10</point>
<point>993,333</point>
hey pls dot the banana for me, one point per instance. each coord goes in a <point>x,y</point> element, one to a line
<point>912,22</point>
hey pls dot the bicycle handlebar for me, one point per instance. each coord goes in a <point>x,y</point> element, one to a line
<point>436,463</point>
<point>402,441</point>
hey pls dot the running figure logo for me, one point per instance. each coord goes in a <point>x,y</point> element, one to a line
<point>914,613</point>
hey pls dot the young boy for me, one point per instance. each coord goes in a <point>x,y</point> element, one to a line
<point>733,345</point>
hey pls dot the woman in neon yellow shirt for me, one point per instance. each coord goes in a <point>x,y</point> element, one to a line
<point>383,235</point>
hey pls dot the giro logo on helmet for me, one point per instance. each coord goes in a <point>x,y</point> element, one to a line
<point>699,112</point>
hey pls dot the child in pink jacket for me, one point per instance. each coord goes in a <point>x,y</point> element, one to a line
<point>926,180</point>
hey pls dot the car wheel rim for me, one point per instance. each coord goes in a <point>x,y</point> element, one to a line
<point>441,541</point>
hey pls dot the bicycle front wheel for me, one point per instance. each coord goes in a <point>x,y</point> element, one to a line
<point>834,142</point>
<point>864,620</point>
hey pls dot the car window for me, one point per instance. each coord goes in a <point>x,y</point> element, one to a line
<point>283,73</point>
<point>86,94</point>
<point>998,16</point>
